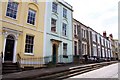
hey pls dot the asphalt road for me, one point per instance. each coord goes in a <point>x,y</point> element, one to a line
<point>105,72</point>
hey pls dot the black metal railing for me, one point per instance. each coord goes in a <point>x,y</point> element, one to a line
<point>42,61</point>
<point>30,61</point>
<point>59,59</point>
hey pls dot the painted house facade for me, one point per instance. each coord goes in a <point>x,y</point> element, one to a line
<point>100,46</point>
<point>75,37</point>
<point>103,47</point>
<point>116,48</point>
<point>42,32</point>
<point>76,41</point>
<point>58,32</point>
<point>84,41</point>
<point>94,44</point>
<point>112,45</point>
<point>91,44</point>
<point>22,31</point>
<point>106,49</point>
<point>81,38</point>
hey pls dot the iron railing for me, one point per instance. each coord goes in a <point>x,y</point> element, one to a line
<point>30,61</point>
<point>59,59</point>
<point>40,61</point>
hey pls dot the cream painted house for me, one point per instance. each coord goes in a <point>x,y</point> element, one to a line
<point>22,31</point>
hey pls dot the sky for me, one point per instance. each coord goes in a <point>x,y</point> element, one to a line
<point>100,15</point>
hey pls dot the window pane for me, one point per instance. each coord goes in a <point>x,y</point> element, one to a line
<point>64,13</point>
<point>54,7</point>
<point>29,44</point>
<point>75,48</point>
<point>53,25</point>
<point>31,16</point>
<point>64,29</point>
<point>64,49</point>
<point>12,9</point>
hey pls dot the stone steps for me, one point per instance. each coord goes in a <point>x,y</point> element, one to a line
<point>59,75</point>
<point>9,67</point>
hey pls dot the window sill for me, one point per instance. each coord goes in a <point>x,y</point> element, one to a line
<point>11,18</point>
<point>65,17</point>
<point>65,56</point>
<point>31,24</point>
<point>54,32</point>
<point>54,12</point>
<point>75,36</point>
<point>31,54</point>
<point>65,36</point>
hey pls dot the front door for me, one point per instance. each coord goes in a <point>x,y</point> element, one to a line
<point>54,53</point>
<point>9,49</point>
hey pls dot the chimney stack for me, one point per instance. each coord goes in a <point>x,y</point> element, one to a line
<point>104,34</point>
<point>111,36</point>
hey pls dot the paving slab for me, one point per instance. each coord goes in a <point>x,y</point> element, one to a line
<point>110,71</point>
<point>37,72</point>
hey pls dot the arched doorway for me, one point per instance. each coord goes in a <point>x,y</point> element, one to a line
<point>54,53</point>
<point>9,48</point>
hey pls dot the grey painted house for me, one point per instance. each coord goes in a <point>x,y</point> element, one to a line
<point>90,43</point>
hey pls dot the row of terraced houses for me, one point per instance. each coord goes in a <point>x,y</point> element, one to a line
<point>34,33</point>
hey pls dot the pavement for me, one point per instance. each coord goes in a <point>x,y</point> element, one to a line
<point>34,73</point>
<point>109,72</point>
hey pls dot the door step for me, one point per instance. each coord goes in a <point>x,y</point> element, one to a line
<point>9,67</point>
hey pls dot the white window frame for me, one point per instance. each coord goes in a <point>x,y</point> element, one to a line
<point>102,41</point>
<point>106,53</point>
<point>84,48</point>
<point>105,43</point>
<point>64,29</point>
<point>54,25</point>
<point>31,11</point>
<point>12,9</point>
<point>75,29</point>
<point>83,33</point>
<point>98,39</point>
<point>64,13</point>
<point>85,45</point>
<point>103,52</point>
<point>93,36</point>
<point>32,44</point>
<point>99,51</point>
<point>65,49</point>
<point>54,7</point>
<point>94,50</point>
<point>76,45</point>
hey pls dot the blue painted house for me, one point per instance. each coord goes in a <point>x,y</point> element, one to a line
<point>58,32</point>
